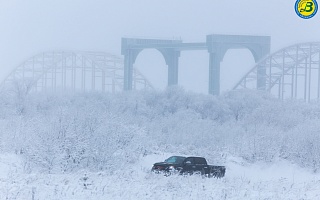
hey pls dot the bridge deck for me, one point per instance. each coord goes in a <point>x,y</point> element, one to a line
<point>177,46</point>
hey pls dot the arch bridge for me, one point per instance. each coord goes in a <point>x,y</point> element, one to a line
<point>73,71</point>
<point>291,72</point>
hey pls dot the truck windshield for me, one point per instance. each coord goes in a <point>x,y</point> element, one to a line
<point>175,159</point>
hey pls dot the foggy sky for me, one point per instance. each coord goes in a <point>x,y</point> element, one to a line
<point>29,27</point>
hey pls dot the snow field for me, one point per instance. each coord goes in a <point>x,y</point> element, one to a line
<point>102,146</point>
<point>280,180</point>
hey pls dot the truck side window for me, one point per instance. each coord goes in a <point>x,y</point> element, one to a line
<point>189,161</point>
<point>200,161</point>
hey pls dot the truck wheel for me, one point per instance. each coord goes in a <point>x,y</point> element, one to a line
<point>219,174</point>
<point>215,174</point>
<point>167,173</point>
<point>203,173</point>
<point>184,173</point>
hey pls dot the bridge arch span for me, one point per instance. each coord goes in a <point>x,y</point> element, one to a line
<point>291,72</point>
<point>75,71</point>
<point>152,64</point>
<point>236,63</point>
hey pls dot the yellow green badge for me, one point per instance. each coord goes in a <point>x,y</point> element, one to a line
<point>306,9</point>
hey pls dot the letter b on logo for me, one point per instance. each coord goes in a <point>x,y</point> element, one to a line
<point>309,7</point>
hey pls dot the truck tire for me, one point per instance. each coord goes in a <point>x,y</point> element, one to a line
<point>167,173</point>
<point>204,173</point>
<point>210,174</point>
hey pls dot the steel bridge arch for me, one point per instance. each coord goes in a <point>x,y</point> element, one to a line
<point>73,71</point>
<point>291,72</point>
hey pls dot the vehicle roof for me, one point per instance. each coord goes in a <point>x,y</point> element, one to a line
<point>195,157</point>
<point>178,156</point>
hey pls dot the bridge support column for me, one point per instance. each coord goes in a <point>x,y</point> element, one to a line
<point>261,77</point>
<point>172,60</point>
<point>259,53</point>
<point>214,74</point>
<point>129,59</point>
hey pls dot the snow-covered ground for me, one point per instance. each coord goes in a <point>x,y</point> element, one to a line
<point>102,146</point>
<point>277,180</point>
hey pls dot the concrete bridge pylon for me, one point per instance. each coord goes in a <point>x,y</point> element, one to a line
<point>131,47</point>
<point>216,45</point>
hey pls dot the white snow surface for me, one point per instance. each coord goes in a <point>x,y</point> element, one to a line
<point>277,180</point>
<point>102,146</point>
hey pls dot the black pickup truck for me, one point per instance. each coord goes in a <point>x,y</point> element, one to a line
<point>188,166</point>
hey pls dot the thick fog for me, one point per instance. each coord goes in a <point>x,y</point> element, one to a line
<point>33,26</point>
<point>102,146</point>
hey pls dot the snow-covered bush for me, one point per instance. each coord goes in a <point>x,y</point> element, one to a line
<point>67,132</point>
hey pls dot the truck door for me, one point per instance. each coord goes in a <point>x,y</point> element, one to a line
<point>189,165</point>
<point>200,163</point>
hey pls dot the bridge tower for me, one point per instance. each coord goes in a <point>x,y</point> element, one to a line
<point>131,47</point>
<point>218,45</point>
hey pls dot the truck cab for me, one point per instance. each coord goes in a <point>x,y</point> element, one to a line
<point>194,164</point>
